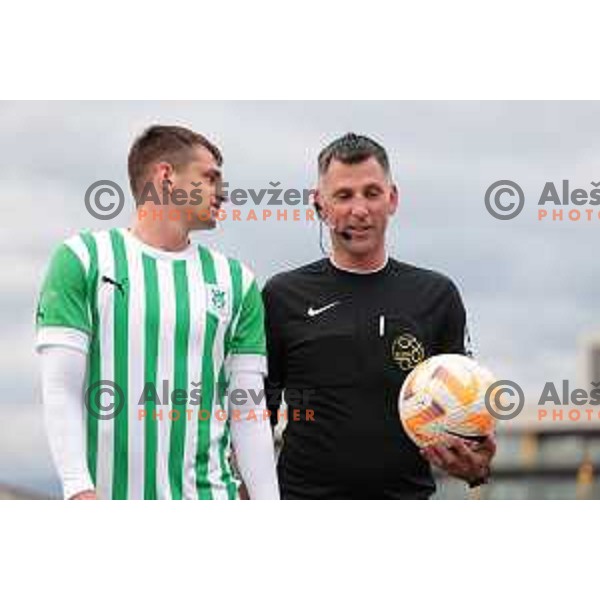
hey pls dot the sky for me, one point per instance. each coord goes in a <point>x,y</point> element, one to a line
<point>528,285</point>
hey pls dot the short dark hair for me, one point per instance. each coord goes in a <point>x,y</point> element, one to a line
<point>170,143</point>
<point>352,149</point>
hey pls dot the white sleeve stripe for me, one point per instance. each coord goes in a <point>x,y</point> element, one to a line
<point>62,336</point>
<point>247,363</point>
<point>247,279</point>
<point>77,245</point>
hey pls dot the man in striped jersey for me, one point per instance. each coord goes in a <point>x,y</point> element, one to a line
<point>141,333</point>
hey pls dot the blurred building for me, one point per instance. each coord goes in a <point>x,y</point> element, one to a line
<point>12,493</point>
<point>555,460</point>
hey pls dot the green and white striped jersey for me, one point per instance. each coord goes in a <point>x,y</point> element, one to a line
<point>156,322</point>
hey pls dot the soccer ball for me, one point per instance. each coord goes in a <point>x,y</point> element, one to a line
<point>445,395</point>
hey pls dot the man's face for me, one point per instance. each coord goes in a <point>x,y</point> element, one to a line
<point>357,199</point>
<point>198,179</point>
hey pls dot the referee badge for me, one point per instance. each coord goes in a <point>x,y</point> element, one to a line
<point>407,351</point>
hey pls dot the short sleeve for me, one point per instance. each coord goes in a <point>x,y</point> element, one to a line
<point>63,300</point>
<point>249,333</point>
<point>452,332</point>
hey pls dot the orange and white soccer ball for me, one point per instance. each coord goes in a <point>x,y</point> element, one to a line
<point>445,395</point>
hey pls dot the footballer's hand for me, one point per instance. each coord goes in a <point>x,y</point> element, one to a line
<point>87,495</point>
<point>463,459</point>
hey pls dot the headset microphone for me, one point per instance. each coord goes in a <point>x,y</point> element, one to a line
<point>342,233</point>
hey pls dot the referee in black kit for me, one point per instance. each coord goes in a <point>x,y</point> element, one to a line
<point>347,330</point>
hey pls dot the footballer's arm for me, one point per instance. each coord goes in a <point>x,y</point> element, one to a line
<point>63,332</point>
<point>63,370</point>
<point>251,436</point>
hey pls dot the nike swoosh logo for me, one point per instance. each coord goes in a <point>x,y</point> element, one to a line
<point>313,312</point>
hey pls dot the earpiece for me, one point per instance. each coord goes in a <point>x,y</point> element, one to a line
<point>319,210</point>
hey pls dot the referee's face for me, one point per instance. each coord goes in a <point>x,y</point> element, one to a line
<point>358,201</point>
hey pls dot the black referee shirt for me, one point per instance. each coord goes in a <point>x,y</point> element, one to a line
<point>341,344</point>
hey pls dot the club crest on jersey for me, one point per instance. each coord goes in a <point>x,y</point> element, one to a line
<point>218,301</point>
<point>407,351</point>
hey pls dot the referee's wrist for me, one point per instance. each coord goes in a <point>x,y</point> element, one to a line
<point>481,480</point>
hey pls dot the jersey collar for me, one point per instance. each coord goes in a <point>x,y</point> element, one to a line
<point>360,271</point>
<point>190,252</point>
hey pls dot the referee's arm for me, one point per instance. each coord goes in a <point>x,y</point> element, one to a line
<point>451,340</point>
<point>275,380</point>
<point>453,324</point>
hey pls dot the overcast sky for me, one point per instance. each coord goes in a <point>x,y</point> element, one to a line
<point>529,286</point>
